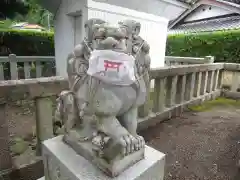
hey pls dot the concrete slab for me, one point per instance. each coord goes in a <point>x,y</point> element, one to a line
<point>62,162</point>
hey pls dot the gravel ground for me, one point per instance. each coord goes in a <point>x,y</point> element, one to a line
<point>21,122</point>
<point>199,146</point>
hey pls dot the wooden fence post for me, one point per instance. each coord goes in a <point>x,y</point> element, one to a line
<point>38,69</point>
<point>198,82</point>
<point>235,81</point>
<point>210,81</point>
<point>27,70</point>
<point>204,83</point>
<point>13,66</point>
<point>143,110</point>
<point>44,122</point>
<point>215,80</point>
<point>190,84</point>
<point>1,71</point>
<point>171,90</point>
<point>159,95</point>
<point>209,59</point>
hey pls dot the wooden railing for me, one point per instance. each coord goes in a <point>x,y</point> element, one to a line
<point>32,66</point>
<point>174,89</point>
<point>177,87</point>
<point>175,60</point>
<point>25,67</point>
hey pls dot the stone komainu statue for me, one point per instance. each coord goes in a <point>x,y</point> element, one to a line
<point>108,76</point>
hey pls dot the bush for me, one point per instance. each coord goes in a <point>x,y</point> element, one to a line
<point>223,45</point>
<point>26,43</point>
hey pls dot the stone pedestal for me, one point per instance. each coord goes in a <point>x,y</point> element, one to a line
<point>61,162</point>
<point>111,162</point>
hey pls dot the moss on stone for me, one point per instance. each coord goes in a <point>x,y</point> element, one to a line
<point>19,146</point>
<point>221,101</point>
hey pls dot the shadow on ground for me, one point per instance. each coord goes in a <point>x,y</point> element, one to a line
<point>199,145</point>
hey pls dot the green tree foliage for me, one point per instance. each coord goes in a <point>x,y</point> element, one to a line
<point>24,11</point>
<point>26,43</point>
<point>223,45</point>
<point>11,8</point>
<point>5,24</point>
<point>37,14</point>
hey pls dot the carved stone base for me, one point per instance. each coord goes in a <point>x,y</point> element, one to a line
<point>115,163</point>
<point>61,162</point>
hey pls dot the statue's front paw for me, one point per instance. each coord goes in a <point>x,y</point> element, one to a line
<point>131,144</point>
<point>128,143</point>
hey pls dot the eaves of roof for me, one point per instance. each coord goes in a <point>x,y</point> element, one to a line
<point>230,5</point>
<point>214,24</point>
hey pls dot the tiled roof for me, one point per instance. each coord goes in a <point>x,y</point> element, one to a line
<point>224,23</point>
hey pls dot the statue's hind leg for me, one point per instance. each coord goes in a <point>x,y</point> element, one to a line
<point>65,114</point>
<point>130,120</point>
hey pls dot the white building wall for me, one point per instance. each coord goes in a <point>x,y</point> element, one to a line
<point>67,30</point>
<point>169,9</point>
<point>63,38</point>
<point>154,28</point>
<point>72,14</point>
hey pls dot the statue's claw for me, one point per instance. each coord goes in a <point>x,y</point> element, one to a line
<point>134,142</point>
<point>124,145</point>
<point>137,145</point>
<point>126,142</point>
<point>140,142</point>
